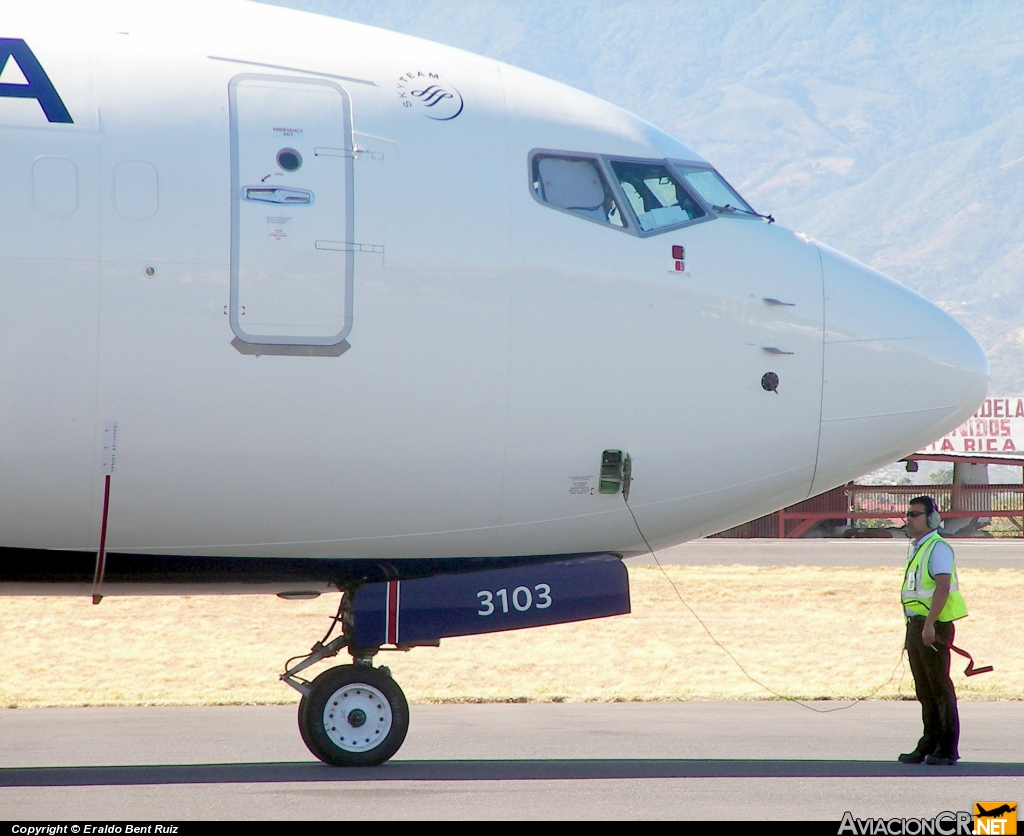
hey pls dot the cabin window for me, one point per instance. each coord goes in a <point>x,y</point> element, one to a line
<point>55,186</point>
<point>576,185</point>
<point>657,198</point>
<point>718,194</point>
<point>136,189</point>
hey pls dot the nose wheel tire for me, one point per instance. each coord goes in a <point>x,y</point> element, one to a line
<point>354,715</point>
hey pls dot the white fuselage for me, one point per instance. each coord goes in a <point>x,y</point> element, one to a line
<point>492,348</point>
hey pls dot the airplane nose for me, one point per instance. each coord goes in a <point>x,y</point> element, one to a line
<point>898,372</point>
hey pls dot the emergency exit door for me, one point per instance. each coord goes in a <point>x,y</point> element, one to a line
<point>291,169</point>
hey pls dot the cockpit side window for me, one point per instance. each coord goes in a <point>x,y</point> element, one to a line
<point>657,198</point>
<point>577,185</point>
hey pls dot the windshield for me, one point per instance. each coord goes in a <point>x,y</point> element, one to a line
<point>655,196</point>
<point>709,184</point>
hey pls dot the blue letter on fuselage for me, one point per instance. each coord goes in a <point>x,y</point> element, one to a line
<point>39,86</point>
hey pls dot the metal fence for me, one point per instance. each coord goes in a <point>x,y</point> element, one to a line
<point>847,503</point>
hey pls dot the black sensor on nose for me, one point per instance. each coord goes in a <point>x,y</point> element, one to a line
<point>770,382</point>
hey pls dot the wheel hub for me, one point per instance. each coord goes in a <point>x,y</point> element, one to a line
<point>357,717</point>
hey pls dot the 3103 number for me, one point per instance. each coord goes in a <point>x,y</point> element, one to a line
<point>521,599</point>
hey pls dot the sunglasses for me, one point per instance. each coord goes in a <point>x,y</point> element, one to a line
<point>916,513</point>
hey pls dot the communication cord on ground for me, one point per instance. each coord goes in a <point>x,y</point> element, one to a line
<point>899,664</point>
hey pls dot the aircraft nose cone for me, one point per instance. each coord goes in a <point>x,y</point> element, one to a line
<point>898,372</point>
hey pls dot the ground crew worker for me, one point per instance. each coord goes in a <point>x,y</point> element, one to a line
<point>931,602</point>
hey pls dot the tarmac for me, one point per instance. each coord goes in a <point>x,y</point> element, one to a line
<point>699,760</point>
<point>980,552</point>
<point>706,761</point>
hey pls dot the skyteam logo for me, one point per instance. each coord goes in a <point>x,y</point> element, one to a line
<point>427,93</point>
<point>23,77</point>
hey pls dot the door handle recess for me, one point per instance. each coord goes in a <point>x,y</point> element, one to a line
<point>771,349</point>
<point>278,195</point>
<point>771,300</point>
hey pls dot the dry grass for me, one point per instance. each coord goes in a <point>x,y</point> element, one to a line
<point>803,631</point>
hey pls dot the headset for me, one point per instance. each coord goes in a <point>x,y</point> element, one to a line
<point>933,513</point>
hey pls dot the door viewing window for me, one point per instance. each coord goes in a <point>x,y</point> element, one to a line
<point>291,251</point>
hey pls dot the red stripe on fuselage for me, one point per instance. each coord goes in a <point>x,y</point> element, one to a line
<point>392,617</point>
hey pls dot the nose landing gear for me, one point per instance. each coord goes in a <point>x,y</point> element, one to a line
<point>350,715</point>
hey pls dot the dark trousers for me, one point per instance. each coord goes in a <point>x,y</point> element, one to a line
<point>934,688</point>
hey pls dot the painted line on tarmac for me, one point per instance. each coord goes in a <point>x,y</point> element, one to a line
<point>486,770</point>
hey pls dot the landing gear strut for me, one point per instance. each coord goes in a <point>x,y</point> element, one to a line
<point>350,715</point>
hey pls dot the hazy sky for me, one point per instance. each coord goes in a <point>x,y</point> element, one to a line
<point>893,132</point>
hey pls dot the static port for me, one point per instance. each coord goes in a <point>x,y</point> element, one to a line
<point>289,159</point>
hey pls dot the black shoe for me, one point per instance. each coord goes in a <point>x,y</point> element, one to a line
<point>913,757</point>
<point>936,760</point>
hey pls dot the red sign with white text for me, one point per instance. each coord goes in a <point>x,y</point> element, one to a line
<point>996,428</point>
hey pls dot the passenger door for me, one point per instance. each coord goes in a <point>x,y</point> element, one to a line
<point>291,259</point>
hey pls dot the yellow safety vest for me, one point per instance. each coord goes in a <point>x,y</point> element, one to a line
<point>919,585</point>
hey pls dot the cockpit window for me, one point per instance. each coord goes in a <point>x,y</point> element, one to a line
<point>577,185</point>
<point>657,197</point>
<point>718,194</point>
